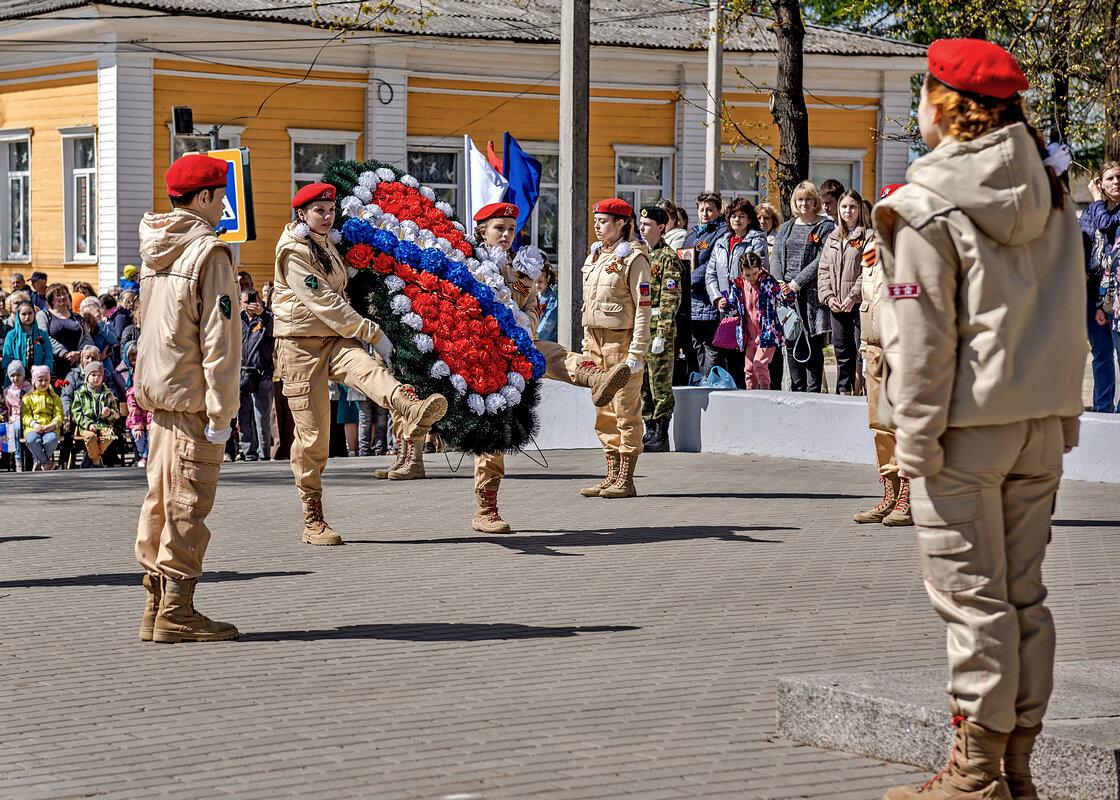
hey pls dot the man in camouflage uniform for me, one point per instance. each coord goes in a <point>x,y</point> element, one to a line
<point>665,293</point>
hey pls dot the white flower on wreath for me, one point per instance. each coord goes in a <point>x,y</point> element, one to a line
<point>454,223</point>
<point>413,321</point>
<point>477,404</point>
<point>369,179</point>
<point>410,182</point>
<point>457,256</point>
<point>516,380</point>
<point>443,245</point>
<point>459,383</point>
<point>426,239</point>
<point>351,206</point>
<point>423,342</point>
<point>529,261</point>
<point>386,174</point>
<point>427,192</point>
<point>400,304</point>
<point>447,211</point>
<point>512,396</point>
<point>440,369</point>
<point>497,255</point>
<point>363,193</point>
<point>495,402</point>
<point>394,283</point>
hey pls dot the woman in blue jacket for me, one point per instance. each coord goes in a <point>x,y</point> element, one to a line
<point>27,342</point>
<point>1100,225</point>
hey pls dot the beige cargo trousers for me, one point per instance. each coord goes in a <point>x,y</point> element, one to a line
<point>305,365</point>
<point>983,523</point>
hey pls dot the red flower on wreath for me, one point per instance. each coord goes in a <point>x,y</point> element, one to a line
<point>360,256</point>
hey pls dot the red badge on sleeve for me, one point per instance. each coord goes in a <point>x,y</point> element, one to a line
<point>897,290</point>
<point>643,289</point>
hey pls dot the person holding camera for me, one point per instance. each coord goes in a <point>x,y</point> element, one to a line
<point>257,344</point>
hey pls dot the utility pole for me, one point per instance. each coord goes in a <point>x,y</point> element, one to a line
<point>713,137</point>
<point>575,90</point>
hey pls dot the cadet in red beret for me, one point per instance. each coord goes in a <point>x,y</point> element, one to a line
<point>616,315</point>
<point>320,337</point>
<point>982,321</point>
<point>495,229</point>
<point>312,192</point>
<point>188,374</point>
<point>195,172</point>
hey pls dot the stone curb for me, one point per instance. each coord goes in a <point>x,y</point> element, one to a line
<point>902,716</point>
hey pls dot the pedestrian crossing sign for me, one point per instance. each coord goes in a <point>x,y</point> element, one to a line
<point>238,222</point>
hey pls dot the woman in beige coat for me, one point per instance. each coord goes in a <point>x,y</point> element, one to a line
<point>838,286</point>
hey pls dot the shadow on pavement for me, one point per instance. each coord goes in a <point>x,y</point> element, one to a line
<point>134,578</point>
<point>20,538</point>
<point>767,495</point>
<point>435,632</point>
<point>544,543</point>
<point>1086,523</point>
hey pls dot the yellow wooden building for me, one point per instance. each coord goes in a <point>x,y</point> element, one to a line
<point>87,91</point>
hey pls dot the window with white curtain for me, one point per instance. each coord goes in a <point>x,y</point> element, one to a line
<point>15,225</point>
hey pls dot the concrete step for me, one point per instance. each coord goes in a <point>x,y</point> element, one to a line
<point>902,716</point>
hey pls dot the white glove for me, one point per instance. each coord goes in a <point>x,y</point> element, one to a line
<point>383,347</point>
<point>658,346</point>
<point>217,437</point>
<point>634,365</point>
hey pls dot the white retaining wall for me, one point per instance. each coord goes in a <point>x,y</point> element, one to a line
<point>788,425</point>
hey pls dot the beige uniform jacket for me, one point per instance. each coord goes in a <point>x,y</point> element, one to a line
<point>983,313</point>
<point>307,301</point>
<point>616,293</point>
<point>524,293</point>
<point>189,358</point>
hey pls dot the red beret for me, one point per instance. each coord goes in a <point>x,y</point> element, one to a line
<point>312,192</point>
<point>975,67</point>
<point>613,205</point>
<point>889,189</point>
<point>193,172</point>
<point>497,210</point>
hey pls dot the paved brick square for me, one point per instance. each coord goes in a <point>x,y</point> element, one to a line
<point>608,649</point>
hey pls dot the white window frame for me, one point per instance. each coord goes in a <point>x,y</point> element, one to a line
<point>760,158</point>
<point>443,144</point>
<point>852,155</point>
<point>69,136</point>
<point>666,154</point>
<point>319,136</point>
<point>10,136</point>
<point>231,133</point>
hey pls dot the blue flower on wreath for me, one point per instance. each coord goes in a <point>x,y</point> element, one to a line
<point>380,239</point>
<point>357,231</point>
<point>408,253</point>
<point>434,262</point>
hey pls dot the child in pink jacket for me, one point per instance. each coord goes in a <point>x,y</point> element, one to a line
<point>13,399</point>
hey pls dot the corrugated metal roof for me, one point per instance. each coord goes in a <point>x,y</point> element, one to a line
<point>671,24</point>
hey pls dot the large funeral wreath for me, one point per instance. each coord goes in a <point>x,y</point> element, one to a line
<point>441,300</point>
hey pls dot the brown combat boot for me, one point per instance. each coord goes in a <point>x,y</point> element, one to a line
<point>151,606</point>
<point>413,466</point>
<point>604,384</point>
<point>973,771</point>
<point>890,498</point>
<point>623,485</point>
<point>900,514</point>
<point>178,621</point>
<point>612,476</point>
<point>315,528</point>
<point>417,414</point>
<point>382,474</point>
<point>1017,763</point>
<point>487,519</point>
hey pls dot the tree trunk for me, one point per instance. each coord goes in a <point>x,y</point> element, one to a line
<point>788,100</point>
<point>1060,44</point>
<point>1111,53</point>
